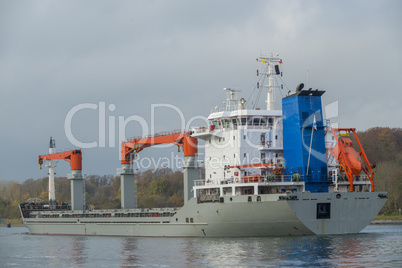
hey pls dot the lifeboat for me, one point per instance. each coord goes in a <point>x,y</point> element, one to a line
<point>252,178</point>
<point>353,157</point>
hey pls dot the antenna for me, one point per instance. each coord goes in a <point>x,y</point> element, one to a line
<point>52,143</point>
<point>231,101</point>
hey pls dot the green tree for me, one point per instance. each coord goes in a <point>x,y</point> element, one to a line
<point>159,187</point>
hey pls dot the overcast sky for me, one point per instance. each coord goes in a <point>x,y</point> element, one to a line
<point>57,55</point>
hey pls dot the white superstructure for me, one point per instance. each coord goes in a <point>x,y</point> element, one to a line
<point>244,146</point>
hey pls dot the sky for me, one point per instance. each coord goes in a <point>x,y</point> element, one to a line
<point>88,73</point>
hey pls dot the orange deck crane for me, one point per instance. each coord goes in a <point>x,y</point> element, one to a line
<point>179,138</point>
<point>74,157</point>
<point>76,178</point>
<point>350,160</point>
<point>133,146</point>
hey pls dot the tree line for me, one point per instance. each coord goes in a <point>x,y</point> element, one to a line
<point>383,147</point>
<point>164,187</point>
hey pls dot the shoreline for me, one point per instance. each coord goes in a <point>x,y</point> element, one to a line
<point>393,222</point>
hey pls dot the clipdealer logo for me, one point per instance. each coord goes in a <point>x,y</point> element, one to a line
<point>112,129</point>
<point>116,134</point>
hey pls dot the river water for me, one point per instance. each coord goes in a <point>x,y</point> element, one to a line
<point>375,246</point>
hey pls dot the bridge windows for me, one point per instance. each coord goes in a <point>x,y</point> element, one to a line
<point>243,121</point>
<point>233,123</point>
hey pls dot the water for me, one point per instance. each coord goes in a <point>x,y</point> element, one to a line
<point>375,246</point>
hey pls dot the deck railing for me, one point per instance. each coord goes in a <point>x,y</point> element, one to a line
<point>251,179</point>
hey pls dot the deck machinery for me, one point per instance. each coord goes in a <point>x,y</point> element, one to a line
<point>76,177</point>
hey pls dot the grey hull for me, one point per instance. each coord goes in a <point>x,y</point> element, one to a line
<point>263,215</point>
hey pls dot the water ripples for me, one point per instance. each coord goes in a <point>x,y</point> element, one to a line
<point>376,246</point>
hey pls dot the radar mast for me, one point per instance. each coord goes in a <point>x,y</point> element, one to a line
<point>271,70</point>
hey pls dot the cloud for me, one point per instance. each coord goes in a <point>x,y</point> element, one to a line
<point>55,55</point>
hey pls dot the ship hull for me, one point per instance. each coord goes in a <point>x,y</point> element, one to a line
<point>237,216</point>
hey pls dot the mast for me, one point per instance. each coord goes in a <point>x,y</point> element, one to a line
<point>51,164</point>
<point>271,70</point>
<point>231,101</point>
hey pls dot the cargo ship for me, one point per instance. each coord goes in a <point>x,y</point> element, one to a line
<point>267,173</point>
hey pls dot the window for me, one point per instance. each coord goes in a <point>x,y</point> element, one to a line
<point>226,123</point>
<point>243,121</point>
<point>256,121</point>
<point>262,157</point>
<point>234,123</point>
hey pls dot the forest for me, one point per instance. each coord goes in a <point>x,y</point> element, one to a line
<point>164,187</point>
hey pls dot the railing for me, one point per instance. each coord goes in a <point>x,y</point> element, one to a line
<point>76,176</point>
<point>27,208</point>
<point>195,164</point>
<point>199,183</point>
<point>250,179</point>
<point>208,198</point>
<point>126,171</point>
<point>344,179</point>
<point>200,130</point>
<point>163,133</point>
<point>309,178</point>
<point>278,179</point>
